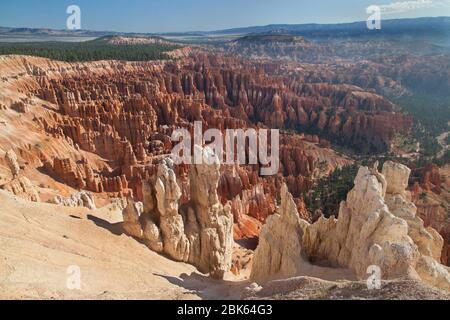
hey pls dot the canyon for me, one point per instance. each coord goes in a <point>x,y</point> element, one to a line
<point>92,140</point>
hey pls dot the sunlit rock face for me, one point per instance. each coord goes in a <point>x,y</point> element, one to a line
<point>377,226</point>
<point>199,232</point>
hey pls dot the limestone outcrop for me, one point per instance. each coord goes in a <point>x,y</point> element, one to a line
<point>23,188</point>
<point>199,232</point>
<point>11,159</point>
<point>279,252</point>
<point>19,185</point>
<point>373,229</point>
<point>81,199</point>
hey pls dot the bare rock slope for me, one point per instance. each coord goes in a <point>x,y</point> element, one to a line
<point>377,226</point>
<point>40,242</point>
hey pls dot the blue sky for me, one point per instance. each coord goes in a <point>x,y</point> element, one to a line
<point>191,15</point>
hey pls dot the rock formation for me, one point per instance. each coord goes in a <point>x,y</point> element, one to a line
<point>430,192</point>
<point>279,252</point>
<point>198,232</point>
<point>128,116</point>
<point>115,120</point>
<point>80,199</point>
<point>372,230</point>
<point>124,113</point>
<point>11,159</point>
<point>105,127</point>
<point>23,188</point>
<point>20,186</point>
<point>428,178</point>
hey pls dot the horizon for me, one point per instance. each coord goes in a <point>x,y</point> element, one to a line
<point>139,16</point>
<point>225,29</point>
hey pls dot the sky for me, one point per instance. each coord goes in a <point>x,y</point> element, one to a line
<point>205,15</point>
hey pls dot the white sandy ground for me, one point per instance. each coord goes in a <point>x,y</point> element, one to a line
<point>38,242</point>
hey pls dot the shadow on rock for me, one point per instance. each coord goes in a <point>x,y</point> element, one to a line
<point>206,287</point>
<point>115,229</point>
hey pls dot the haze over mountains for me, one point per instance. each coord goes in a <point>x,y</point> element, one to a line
<point>431,28</point>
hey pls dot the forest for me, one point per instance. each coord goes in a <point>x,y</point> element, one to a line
<point>88,51</point>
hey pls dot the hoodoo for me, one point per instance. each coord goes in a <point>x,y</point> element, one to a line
<point>373,229</point>
<point>199,232</point>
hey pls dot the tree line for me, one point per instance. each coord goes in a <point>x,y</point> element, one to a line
<point>88,51</point>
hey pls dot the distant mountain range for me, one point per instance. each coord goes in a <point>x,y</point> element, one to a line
<point>436,27</point>
<point>425,25</point>
<point>4,31</point>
